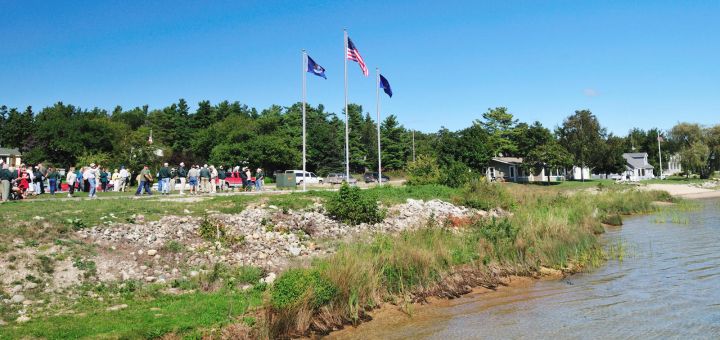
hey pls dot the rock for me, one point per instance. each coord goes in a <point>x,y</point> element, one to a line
<point>194,273</point>
<point>151,252</point>
<point>27,302</point>
<point>22,319</point>
<point>294,251</point>
<point>16,289</point>
<point>2,322</point>
<point>117,307</point>
<point>140,252</point>
<point>150,278</point>
<point>17,298</point>
<point>269,279</point>
<point>30,285</point>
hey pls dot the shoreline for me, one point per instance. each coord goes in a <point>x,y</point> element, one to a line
<point>684,191</point>
<point>389,315</point>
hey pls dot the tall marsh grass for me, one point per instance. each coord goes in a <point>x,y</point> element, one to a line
<point>544,229</point>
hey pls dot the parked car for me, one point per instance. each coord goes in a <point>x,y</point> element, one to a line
<point>310,177</point>
<point>338,178</point>
<point>369,177</point>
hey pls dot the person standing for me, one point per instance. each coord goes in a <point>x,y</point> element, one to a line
<point>243,179</point>
<point>104,179</point>
<point>182,175</point>
<point>33,182</point>
<point>115,179</point>
<point>221,178</point>
<point>5,178</point>
<point>213,179</point>
<point>90,175</point>
<point>43,175</point>
<point>173,179</point>
<point>79,177</point>
<point>24,182</point>
<point>124,178</point>
<point>248,175</point>
<point>193,175</point>
<point>71,180</point>
<point>53,180</point>
<point>205,179</point>
<point>145,181</point>
<point>259,179</point>
<point>164,179</point>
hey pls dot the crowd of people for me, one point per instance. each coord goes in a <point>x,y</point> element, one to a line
<point>29,180</point>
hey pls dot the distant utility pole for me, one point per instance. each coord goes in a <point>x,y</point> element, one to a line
<point>413,144</point>
<point>660,139</point>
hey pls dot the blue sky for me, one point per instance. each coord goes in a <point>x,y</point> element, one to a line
<point>633,63</point>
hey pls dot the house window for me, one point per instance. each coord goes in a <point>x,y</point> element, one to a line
<point>491,171</point>
<point>512,172</point>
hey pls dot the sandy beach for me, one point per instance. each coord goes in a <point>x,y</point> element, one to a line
<point>685,190</point>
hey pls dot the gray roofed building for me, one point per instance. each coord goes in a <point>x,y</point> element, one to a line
<point>637,165</point>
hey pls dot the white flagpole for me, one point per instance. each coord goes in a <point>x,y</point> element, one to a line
<point>660,154</point>
<point>304,93</point>
<point>377,95</point>
<point>347,129</point>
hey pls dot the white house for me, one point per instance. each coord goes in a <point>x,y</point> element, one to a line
<point>637,166</point>
<point>12,157</point>
<point>511,169</point>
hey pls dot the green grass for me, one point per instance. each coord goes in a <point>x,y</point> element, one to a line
<point>574,185</point>
<point>186,314</point>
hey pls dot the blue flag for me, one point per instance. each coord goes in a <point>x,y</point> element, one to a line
<point>385,85</point>
<point>314,68</point>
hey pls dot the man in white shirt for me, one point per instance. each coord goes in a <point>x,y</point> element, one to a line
<point>124,174</point>
<point>90,175</point>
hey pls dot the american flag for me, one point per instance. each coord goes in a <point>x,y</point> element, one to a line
<point>354,55</point>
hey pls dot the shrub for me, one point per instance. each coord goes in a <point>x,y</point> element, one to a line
<point>455,175</point>
<point>174,246</point>
<point>213,230</point>
<point>424,170</point>
<point>350,205</point>
<point>478,193</point>
<point>298,285</point>
<point>248,274</point>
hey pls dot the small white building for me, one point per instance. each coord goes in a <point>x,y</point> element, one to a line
<point>673,166</point>
<point>578,173</point>
<point>637,167</point>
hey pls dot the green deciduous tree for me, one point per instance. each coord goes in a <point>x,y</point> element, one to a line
<point>583,136</point>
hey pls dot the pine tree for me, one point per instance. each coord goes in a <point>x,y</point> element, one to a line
<point>394,147</point>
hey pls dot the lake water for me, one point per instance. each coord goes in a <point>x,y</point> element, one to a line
<point>667,286</point>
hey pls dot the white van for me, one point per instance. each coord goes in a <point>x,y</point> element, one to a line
<point>310,177</point>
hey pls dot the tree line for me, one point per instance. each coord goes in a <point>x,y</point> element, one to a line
<point>234,134</point>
